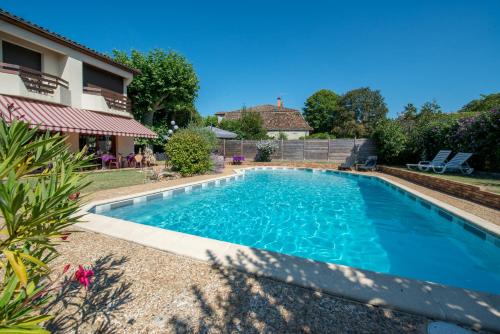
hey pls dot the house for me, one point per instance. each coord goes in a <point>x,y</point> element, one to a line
<point>62,86</point>
<point>277,119</point>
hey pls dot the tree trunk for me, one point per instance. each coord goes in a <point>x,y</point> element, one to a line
<point>147,119</point>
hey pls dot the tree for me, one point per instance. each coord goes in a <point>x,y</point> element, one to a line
<point>167,84</point>
<point>249,126</point>
<point>252,125</point>
<point>319,109</point>
<point>430,108</point>
<point>409,113</point>
<point>210,120</point>
<point>485,103</point>
<point>233,125</point>
<point>359,111</point>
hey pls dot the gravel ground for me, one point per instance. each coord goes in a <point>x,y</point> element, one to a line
<point>143,290</point>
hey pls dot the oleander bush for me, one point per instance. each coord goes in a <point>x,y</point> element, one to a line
<point>189,152</point>
<point>39,187</point>
<point>265,149</point>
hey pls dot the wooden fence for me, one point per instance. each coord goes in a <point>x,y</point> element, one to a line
<point>333,150</point>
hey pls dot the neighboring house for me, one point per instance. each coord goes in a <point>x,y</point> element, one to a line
<point>276,119</point>
<point>60,85</point>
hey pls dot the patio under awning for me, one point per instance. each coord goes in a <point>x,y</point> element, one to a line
<point>54,117</point>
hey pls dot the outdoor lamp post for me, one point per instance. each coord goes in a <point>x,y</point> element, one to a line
<point>173,127</point>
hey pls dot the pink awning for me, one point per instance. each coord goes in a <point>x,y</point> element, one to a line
<point>54,117</point>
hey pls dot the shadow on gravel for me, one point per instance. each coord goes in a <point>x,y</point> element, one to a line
<point>251,304</point>
<point>106,294</point>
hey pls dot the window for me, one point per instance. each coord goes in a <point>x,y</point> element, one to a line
<point>93,76</point>
<point>17,55</point>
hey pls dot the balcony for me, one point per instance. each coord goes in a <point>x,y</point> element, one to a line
<point>26,82</point>
<point>114,102</point>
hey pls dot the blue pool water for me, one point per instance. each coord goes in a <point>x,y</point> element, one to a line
<point>356,221</point>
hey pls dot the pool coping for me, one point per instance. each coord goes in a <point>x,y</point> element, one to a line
<point>477,309</point>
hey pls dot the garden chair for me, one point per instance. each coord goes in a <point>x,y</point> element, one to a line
<point>138,159</point>
<point>348,165</point>
<point>113,162</point>
<point>439,160</point>
<point>370,164</point>
<point>457,163</point>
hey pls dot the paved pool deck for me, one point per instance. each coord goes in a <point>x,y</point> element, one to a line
<point>209,296</point>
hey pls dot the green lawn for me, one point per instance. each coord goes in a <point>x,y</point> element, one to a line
<point>114,179</point>
<point>488,182</point>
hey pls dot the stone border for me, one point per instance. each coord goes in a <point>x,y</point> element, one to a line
<point>466,191</point>
<point>477,309</point>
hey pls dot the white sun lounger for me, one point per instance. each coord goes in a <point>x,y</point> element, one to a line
<point>439,160</point>
<point>457,163</point>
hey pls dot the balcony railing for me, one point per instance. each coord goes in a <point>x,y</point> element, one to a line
<point>114,100</point>
<point>35,81</point>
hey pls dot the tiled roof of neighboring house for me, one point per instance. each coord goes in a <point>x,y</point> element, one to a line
<point>41,31</point>
<point>275,119</point>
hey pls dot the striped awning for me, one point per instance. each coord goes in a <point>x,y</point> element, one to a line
<point>54,117</point>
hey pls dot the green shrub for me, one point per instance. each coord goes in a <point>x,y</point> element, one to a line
<point>189,152</point>
<point>320,135</point>
<point>34,213</point>
<point>282,136</point>
<point>390,139</point>
<point>209,136</point>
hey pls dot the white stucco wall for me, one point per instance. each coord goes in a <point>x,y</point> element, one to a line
<point>124,145</point>
<point>58,60</point>
<point>289,134</point>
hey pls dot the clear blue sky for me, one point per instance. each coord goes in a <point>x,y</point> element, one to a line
<point>250,52</point>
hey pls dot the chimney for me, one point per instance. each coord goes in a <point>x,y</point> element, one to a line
<point>279,103</point>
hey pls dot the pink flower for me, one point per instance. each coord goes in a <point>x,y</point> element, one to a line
<point>83,276</point>
<point>66,268</point>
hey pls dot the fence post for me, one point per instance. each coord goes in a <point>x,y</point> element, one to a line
<point>328,153</point>
<point>224,149</point>
<point>355,149</point>
<point>281,149</point>
<point>304,149</point>
<point>241,149</point>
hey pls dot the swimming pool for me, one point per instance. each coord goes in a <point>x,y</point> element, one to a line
<point>362,222</point>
